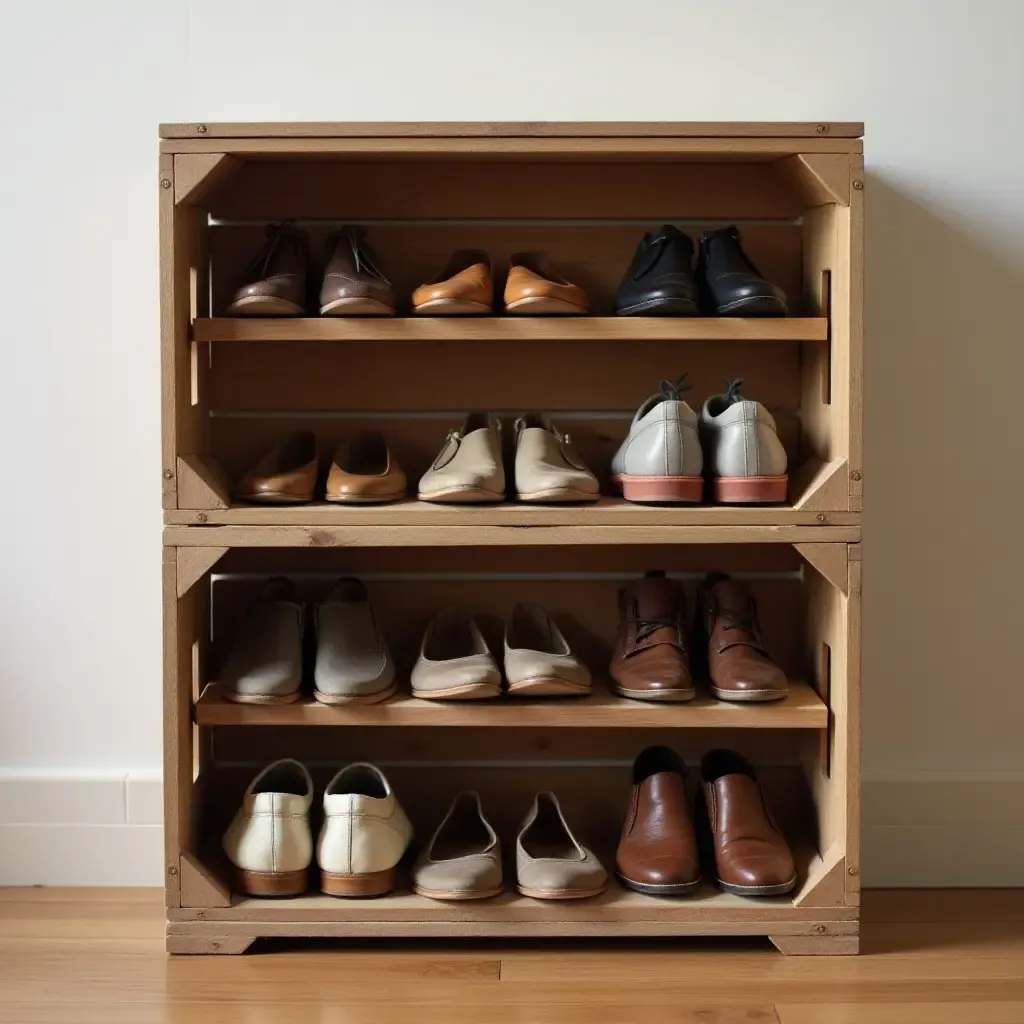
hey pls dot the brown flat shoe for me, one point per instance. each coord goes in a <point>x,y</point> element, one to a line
<point>275,280</point>
<point>363,471</point>
<point>534,290</point>
<point>464,288</point>
<point>354,284</point>
<point>286,475</point>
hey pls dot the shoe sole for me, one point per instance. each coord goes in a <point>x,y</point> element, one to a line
<point>675,889</point>
<point>360,698</point>
<point>559,894</point>
<point>457,894</point>
<point>758,890</point>
<point>740,490</point>
<point>272,883</point>
<point>558,496</point>
<point>757,305</point>
<point>463,496</point>
<point>362,499</point>
<point>548,686</point>
<point>264,305</point>
<point>661,307</point>
<point>661,489</point>
<point>749,696</point>
<point>658,696</point>
<point>452,307</point>
<point>543,305</point>
<point>274,499</point>
<point>375,883</point>
<point>259,698</point>
<point>357,307</point>
<point>470,691</point>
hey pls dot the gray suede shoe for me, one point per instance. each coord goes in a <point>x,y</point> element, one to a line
<point>462,861</point>
<point>265,663</point>
<point>550,863</point>
<point>353,664</point>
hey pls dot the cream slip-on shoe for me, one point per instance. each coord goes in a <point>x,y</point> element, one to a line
<point>547,468</point>
<point>269,841</point>
<point>364,835</point>
<point>462,861</point>
<point>468,469</point>
<point>550,863</point>
<point>455,662</point>
<point>538,660</point>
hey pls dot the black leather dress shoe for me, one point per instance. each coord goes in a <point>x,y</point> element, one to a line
<point>660,279</point>
<point>730,285</point>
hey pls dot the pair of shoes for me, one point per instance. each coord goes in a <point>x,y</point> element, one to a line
<point>661,280</point>
<point>732,450</point>
<point>455,662</point>
<point>659,853</point>
<point>352,663</point>
<point>462,860</point>
<point>469,468</point>
<point>465,287</point>
<point>276,281</point>
<point>364,834</point>
<point>651,660</point>
<point>363,471</point>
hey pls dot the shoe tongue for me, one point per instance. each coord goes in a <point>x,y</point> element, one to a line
<point>731,595</point>
<point>657,597</point>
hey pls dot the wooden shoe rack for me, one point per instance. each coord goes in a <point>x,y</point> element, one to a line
<point>583,193</point>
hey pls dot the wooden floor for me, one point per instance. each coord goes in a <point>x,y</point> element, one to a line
<point>80,956</point>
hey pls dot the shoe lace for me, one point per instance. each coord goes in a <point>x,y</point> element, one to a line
<point>673,392</point>
<point>732,391</point>
<point>647,626</point>
<point>259,265</point>
<point>362,255</point>
<point>744,619</point>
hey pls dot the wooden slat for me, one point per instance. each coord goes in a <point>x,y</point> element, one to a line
<point>511,329</point>
<point>528,129</point>
<point>801,710</point>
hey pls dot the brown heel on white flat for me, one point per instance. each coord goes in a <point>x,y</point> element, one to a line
<point>273,883</point>
<point>376,883</point>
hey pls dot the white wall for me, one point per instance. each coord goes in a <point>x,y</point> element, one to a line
<point>940,85</point>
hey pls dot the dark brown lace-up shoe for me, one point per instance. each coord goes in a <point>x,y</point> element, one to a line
<point>650,661</point>
<point>354,284</point>
<point>275,280</point>
<point>738,665</point>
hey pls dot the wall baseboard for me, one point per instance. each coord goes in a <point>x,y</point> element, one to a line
<point>104,829</point>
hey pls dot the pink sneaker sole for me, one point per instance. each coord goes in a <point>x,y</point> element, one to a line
<point>660,488</point>
<point>752,489</point>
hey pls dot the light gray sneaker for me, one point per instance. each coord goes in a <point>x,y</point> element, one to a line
<point>746,462</point>
<point>661,459</point>
<point>264,665</point>
<point>353,663</point>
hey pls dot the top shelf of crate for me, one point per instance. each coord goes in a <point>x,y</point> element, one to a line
<point>499,328</point>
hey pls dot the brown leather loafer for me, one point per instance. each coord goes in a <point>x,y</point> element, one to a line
<point>739,666</point>
<point>533,289</point>
<point>465,287</point>
<point>354,284</point>
<point>363,471</point>
<point>751,856</point>
<point>286,475</point>
<point>275,280</point>
<point>658,852</point>
<point>650,660</point>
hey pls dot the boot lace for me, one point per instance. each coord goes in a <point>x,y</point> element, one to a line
<point>674,391</point>
<point>277,235</point>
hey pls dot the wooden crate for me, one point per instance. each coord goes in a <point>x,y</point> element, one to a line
<point>583,193</point>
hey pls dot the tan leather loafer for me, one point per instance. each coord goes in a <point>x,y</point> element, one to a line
<point>538,659</point>
<point>275,280</point>
<point>547,468</point>
<point>286,475</point>
<point>365,472</point>
<point>462,861</point>
<point>468,469</point>
<point>464,288</point>
<point>455,662</point>
<point>354,284</point>
<point>533,289</point>
<point>551,864</point>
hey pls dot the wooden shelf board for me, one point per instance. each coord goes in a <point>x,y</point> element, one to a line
<point>508,328</point>
<point>802,709</point>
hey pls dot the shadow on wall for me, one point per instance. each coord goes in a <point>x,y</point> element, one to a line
<point>943,471</point>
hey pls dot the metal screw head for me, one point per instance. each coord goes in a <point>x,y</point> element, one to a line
<point>858,184</point>
<point>201,128</point>
<point>853,872</point>
<point>172,869</point>
<point>821,128</point>
<point>165,182</point>
<point>820,929</point>
<point>168,474</point>
<point>820,517</point>
<point>201,517</point>
<point>855,475</point>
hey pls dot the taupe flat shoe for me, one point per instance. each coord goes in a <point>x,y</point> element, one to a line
<point>468,469</point>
